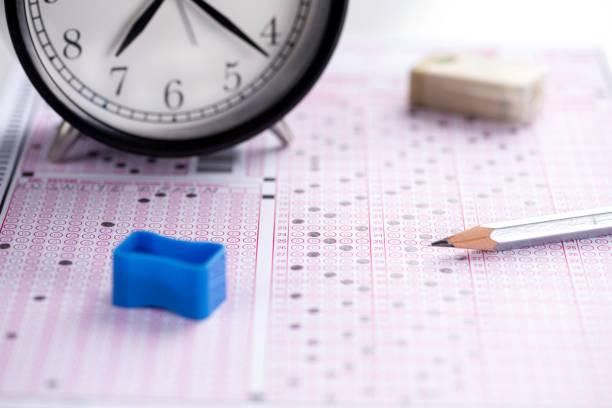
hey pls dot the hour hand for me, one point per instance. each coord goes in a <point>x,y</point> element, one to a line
<point>139,26</point>
<point>228,24</point>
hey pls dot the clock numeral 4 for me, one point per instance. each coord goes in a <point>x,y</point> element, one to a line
<point>270,32</point>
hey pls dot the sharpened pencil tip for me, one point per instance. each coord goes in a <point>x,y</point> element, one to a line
<point>443,243</point>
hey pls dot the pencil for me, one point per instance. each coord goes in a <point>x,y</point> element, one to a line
<point>533,231</point>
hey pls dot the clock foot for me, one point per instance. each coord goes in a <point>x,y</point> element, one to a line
<point>66,138</point>
<point>283,132</point>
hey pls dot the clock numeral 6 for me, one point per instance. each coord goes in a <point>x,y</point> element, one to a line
<point>73,48</point>
<point>173,96</point>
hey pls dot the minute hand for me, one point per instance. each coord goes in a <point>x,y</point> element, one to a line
<point>228,24</point>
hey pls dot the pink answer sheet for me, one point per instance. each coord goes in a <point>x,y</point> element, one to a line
<point>335,295</point>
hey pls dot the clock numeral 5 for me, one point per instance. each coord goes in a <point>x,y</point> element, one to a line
<point>122,73</point>
<point>233,79</point>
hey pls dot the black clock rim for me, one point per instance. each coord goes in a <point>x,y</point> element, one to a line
<point>193,147</point>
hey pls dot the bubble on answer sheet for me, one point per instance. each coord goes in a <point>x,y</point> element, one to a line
<point>257,397</point>
<point>52,384</point>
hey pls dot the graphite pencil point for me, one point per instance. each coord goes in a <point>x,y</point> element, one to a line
<point>443,243</point>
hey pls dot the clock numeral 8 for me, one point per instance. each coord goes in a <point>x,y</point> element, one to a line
<point>73,48</point>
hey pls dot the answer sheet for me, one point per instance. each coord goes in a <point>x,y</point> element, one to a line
<point>335,295</point>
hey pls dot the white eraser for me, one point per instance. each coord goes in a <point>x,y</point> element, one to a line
<point>479,86</point>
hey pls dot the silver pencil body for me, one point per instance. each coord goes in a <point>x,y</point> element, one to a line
<point>551,229</point>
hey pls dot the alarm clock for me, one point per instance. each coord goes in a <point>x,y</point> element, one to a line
<point>173,77</point>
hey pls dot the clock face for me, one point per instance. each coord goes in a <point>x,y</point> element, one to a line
<point>172,70</point>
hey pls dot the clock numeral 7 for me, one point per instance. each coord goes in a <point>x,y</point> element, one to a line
<point>122,73</point>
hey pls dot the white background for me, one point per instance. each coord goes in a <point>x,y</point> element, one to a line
<point>481,22</point>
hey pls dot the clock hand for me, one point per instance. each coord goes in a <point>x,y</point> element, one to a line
<point>228,24</point>
<point>139,26</point>
<point>187,22</point>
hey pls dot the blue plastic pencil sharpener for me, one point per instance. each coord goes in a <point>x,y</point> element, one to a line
<point>187,278</point>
